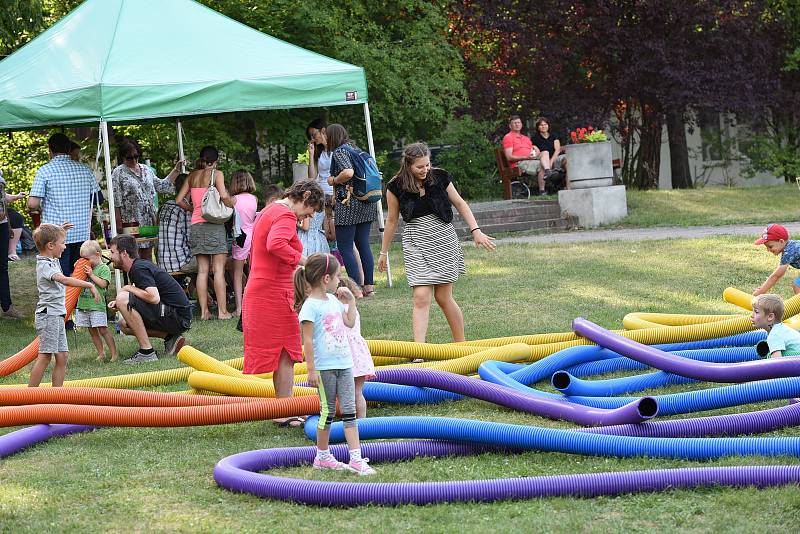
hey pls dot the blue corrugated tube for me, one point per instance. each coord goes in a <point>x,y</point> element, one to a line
<point>607,361</point>
<point>568,384</point>
<point>712,372</point>
<point>669,404</point>
<point>718,355</point>
<point>708,399</point>
<point>239,473</point>
<point>556,440</point>
<point>571,385</point>
<point>379,392</point>
<point>554,408</point>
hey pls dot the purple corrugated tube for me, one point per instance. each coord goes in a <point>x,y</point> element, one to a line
<point>711,372</point>
<point>239,473</point>
<point>717,425</point>
<point>634,412</point>
<point>20,439</point>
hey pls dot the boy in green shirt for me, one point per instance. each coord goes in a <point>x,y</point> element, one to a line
<point>768,314</point>
<point>91,314</point>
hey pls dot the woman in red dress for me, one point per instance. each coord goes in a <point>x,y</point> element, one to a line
<point>269,321</point>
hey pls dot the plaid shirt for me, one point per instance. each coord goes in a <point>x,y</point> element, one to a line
<point>173,237</point>
<point>66,188</point>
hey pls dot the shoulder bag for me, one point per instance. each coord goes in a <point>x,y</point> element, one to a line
<point>212,209</point>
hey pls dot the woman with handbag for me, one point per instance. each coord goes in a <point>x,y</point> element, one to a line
<point>353,217</point>
<point>211,206</point>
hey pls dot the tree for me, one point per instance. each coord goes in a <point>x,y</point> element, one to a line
<point>581,61</point>
<point>414,74</point>
<point>774,145</point>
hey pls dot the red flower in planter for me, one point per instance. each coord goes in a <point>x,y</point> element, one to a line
<point>587,135</point>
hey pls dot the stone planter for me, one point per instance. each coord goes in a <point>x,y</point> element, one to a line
<point>299,172</point>
<point>589,165</point>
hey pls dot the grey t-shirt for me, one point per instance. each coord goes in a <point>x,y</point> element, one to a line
<point>52,295</point>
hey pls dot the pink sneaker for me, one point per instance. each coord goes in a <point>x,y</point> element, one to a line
<point>329,463</point>
<point>361,467</point>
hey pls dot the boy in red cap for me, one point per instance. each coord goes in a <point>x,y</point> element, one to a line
<point>776,239</point>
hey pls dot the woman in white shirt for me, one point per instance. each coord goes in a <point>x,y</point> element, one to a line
<point>319,159</point>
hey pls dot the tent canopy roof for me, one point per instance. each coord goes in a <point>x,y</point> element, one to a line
<point>130,60</point>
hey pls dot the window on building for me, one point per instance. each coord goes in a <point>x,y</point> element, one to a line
<point>711,135</point>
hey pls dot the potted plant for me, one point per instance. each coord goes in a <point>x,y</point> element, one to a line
<point>589,159</point>
<point>300,167</point>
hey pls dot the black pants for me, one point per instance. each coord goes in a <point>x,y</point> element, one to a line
<point>5,288</point>
<point>68,258</point>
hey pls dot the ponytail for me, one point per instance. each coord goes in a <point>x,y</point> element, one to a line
<point>301,287</point>
<point>308,275</point>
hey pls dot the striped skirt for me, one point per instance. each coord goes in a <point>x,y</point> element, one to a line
<point>432,252</point>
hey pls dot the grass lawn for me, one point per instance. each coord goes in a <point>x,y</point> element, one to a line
<point>143,479</point>
<point>712,206</point>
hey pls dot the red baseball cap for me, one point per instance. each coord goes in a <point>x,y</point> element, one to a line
<point>773,232</point>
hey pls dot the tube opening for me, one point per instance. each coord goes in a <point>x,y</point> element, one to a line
<point>560,380</point>
<point>648,407</point>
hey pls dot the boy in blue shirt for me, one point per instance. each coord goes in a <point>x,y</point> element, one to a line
<point>768,314</point>
<point>776,239</point>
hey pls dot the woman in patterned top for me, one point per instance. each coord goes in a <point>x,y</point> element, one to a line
<point>135,187</point>
<point>353,217</point>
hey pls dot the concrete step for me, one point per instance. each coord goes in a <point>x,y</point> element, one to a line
<point>504,216</point>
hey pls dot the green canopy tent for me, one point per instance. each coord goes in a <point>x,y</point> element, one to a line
<point>124,61</point>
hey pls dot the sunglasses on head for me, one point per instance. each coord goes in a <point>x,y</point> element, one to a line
<point>131,157</point>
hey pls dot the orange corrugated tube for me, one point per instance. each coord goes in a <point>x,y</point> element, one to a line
<point>256,410</point>
<point>110,397</point>
<point>28,354</point>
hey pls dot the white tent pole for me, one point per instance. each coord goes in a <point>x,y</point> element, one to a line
<point>180,146</point>
<point>110,190</point>
<point>381,227</point>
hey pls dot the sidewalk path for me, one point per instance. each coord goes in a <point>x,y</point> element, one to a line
<point>638,234</point>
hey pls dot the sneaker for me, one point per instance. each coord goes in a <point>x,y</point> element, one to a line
<point>329,463</point>
<point>141,358</point>
<point>11,313</point>
<point>173,343</point>
<point>361,467</point>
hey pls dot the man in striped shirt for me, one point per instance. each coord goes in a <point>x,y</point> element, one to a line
<point>63,189</point>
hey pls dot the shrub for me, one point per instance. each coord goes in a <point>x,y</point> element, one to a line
<point>468,155</point>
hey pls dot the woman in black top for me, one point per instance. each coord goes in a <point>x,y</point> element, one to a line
<point>425,197</point>
<point>353,217</point>
<point>552,153</point>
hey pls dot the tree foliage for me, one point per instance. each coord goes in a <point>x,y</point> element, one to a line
<point>580,61</point>
<point>774,145</point>
<point>414,75</point>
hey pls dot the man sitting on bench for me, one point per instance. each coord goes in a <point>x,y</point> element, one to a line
<point>521,152</point>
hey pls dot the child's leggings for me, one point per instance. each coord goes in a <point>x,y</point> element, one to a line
<point>335,383</point>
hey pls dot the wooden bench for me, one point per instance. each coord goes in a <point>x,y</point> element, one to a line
<point>507,173</point>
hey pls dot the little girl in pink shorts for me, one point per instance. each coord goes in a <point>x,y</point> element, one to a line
<point>363,368</point>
